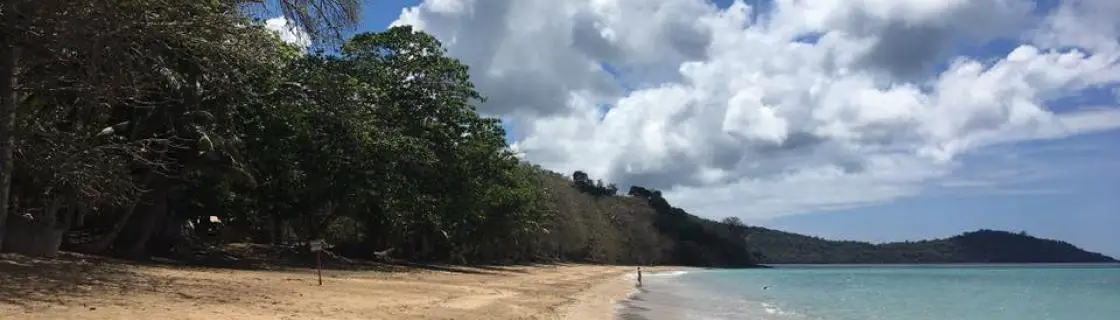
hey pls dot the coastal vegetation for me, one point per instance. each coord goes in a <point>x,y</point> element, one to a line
<point>148,128</point>
<point>144,129</point>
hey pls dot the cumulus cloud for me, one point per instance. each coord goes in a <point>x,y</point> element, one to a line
<point>289,32</point>
<point>779,107</point>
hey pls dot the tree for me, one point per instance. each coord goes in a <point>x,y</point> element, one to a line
<point>164,78</point>
<point>9,61</point>
<point>734,222</point>
<point>428,97</point>
<point>384,137</point>
<point>57,52</point>
<point>581,177</point>
<point>50,33</point>
<point>324,20</point>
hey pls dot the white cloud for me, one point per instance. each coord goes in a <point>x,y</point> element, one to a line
<point>793,107</point>
<point>288,32</point>
<point>1082,23</point>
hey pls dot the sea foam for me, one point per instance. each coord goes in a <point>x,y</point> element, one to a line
<point>663,274</point>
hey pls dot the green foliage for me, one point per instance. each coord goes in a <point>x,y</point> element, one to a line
<point>681,238</point>
<point>385,135</point>
<point>596,188</point>
<point>134,140</point>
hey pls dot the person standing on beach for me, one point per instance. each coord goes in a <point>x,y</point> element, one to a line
<point>639,276</point>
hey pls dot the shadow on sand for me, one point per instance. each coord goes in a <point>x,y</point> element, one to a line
<point>28,281</point>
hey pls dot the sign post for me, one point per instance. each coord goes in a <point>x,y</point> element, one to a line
<point>317,246</point>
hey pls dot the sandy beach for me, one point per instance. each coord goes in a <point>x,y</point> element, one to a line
<point>80,289</point>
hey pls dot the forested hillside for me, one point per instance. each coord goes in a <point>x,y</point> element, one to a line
<point>982,246</point>
<point>152,128</point>
<point>592,222</point>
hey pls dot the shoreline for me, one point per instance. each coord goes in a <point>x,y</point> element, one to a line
<point>599,301</point>
<point>636,305</point>
<point>96,288</point>
<point>605,300</point>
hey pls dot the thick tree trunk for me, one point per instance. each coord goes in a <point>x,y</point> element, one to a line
<point>39,236</point>
<point>132,242</point>
<point>33,237</point>
<point>168,235</point>
<point>377,234</point>
<point>9,60</point>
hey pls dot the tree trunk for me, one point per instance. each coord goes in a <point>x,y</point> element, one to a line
<point>276,231</point>
<point>39,236</point>
<point>106,240</point>
<point>33,237</point>
<point>132,241</point>
<point>376,237</point>
<point>9,60</point>
<point>169,235</point>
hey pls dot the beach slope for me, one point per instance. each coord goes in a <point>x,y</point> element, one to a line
<point>80,289</point>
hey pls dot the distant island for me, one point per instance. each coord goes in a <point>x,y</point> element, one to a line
<point>981,246</point>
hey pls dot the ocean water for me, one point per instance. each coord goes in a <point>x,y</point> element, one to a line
<point>1012,292</point>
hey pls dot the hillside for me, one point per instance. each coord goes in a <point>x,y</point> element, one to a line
<point>593,223</point>
<point>981,246</point>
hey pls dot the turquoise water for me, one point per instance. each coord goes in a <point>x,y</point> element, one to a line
<point>1019,292</point>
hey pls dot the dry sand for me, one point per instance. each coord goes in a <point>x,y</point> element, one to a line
<point>80,288</point>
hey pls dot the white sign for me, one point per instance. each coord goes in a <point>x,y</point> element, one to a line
<point>317,244</point>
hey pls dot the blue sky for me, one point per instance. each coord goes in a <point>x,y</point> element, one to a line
<point>1079,205</point>
<point>1065,188</point>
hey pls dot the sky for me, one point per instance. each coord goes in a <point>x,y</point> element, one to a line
<point>874,120</point>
